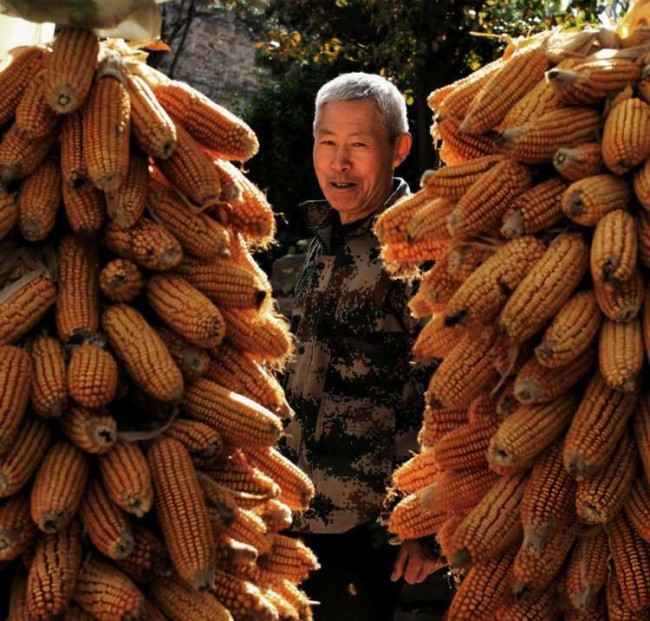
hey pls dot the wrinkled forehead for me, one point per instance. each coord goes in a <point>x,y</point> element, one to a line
<point>358,117</point>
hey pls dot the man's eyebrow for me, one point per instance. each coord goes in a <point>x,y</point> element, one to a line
<point>329,132</point>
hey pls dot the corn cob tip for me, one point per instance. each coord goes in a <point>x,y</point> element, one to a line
<point>461,559</point>
<point>575,465</point>
<point>575,206</point>
<point>51,522</point>
<point>203,580</point>
<point>528,390</point>
<point>562,77</point>
<point>513,224</point>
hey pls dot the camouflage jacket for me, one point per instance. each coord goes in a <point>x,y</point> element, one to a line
<point>357,403</point>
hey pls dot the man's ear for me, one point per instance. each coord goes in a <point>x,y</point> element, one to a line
<point>402,147</point>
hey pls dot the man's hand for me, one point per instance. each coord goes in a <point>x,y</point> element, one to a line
<point>413,564</point>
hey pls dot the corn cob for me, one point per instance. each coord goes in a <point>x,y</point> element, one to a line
<point>196,437</point>
<point>585,160</point>
<point>540,605</point>
<point>596,428</point>
<point>38,201</point>
<point>419,305</point>
<point>286,610</point>
<point>437,285</point>
<point>73,165</point>
<point>587,569</point>
<point>459,147</point>
<point>531,306</point>
<point>600,497</point>
<point>126,477</point>
<point>621,302</point>
<point>249,528</point>
<point>70,69</point>
<point>93,431</point>
<point>483,408</point>
<point>106,593</point>
<point>75,613</point>
<point>507,402</point>
<point>642,431</point>
<point>49,387</point>
<point>465,258</point>
<point>617,609</point>
<point>23,304</point>
<point>242,598</point>
<point>405,253</point>
<point>416,473</point>
<point>289,558</point>
<point>492,525</point>
<point>233,369</point>
<point>18,597</point>
<point>143,353</point>
<point>620,354</point>
<point>25,64</point>
<point>448,182</point>
<point>296,489</point>
<point>641,185</point>
<point>59,486</point>
<point>463,374</point>
<point>533,570</point>
<point>480,298</point>
<point>182,513</point>
<point>21,156</point>
<point>587,200</point>
<point>147,243</point>
<point>481,208</point>
<point>53,572</point>
<point>643,237</point>
<point>126,204</point>
<point>538,140</point>
<point>390,225</point>
<point>92,376</point>
<point>240,420</point>
<point>435,339</point>
<point>9,211</point>
<point>434,428</point>
<point>276,515</point>
<point>106,132</point>
<point>85,208</point>
<point>535,210</point>
<point>178,602</point>
<point>637,505</point>
<point>15,379</point>
<point>209,123</point>
<point>149,559</point>
<point>193,361</point>
<point>625,141</point>
<point>527,432</point>
<point>458,491</point>
<point>34,117</point>
<point>549,498</point>
<point>153,128</point>
<point>508,85</point>
<point>17,530</point>
<point>631,557</point>
<point>19,463</point>
<point>481,592</point>
<point>446,532</point>
<point>221,502</point>
<point>591,82</point>
<point>121,280</point>
<point>430,221</point>
<point>536,383</point>
<point>614,247</point>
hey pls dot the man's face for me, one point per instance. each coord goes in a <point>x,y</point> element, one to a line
<point>354,157</point>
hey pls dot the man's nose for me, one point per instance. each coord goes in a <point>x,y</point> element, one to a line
<point>341,160</point>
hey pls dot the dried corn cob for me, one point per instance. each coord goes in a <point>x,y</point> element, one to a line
<point>182,513</point>
<point>276,515</point>
<point>458,147</point>
<point>249,528</point>
<point>621,302</point>
<point>92,376</point>
<point>614,247</point>
<point>600,497</point>
<point>449,182</point>
<point>642,431</point>
<point>527,432</point>
<point>571,332</point>
<point>480,298</point>
<point>93,431</point>
<point>147,243</point>
<point>541,605</point>
<point>242,598</point>
<point>59,486</point>
<point>240,420</point>
<point>637,505</point>
<point>535,210</point>
<point>17,530</point>
<point>457,491</point>
<point>416,473</point>
<point>153,128</point>
<point>538,140</point>
<point>21,156</point>
<point>435,339</point>
<point>620,354</point>
<point>73,165</point>
<point>289,558</point>
<point>193,361</point>
<point>70,69</point>
<point>18,597</point>
<point>53,572</point>
<point>587,200</point>
<point>106,593</point>
<point>209,123</point>
<point>9,212</point>
<point>21,460</point>
<point>85,208</point>
<point>106,132</point>
<point>196,437</point>
<point>38,201</point>
<point>464,448</point>
<point>23,304</point>
<point>617,608</point>
<point>549,498</point>
<point>585,160</point>
<point>126,203</point>
<point>437,285</point>
<point>531,306</point>
<point>143,353</point>
<point>34,117</point>
<point>596,428</point>
<point>625,135</point>
<point>15,379</point>
<point>121,280</point>
<point>481,208</point>
<point>587,569</point>
<point>641,185</point>
<point>643,237</point>
<point>49,388</point>
<point>390,225</point>
<point>430,221</point>
<point>149,558</point>
<point>178,602</point>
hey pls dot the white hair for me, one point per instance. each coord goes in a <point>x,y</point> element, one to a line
<point>358,85</point>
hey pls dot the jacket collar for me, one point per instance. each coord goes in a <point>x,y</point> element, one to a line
<point>320,217</point>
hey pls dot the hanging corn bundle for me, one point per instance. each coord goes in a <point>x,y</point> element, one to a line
<point>534,470</point>
<point>138,342</point>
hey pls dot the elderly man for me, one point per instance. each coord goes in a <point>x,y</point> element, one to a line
<point>357,404</point>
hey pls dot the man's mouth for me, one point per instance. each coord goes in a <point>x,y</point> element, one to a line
<point>342,186</point>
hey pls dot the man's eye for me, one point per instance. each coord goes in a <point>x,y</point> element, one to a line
<point>359,144</point>
<point>326,142</point>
